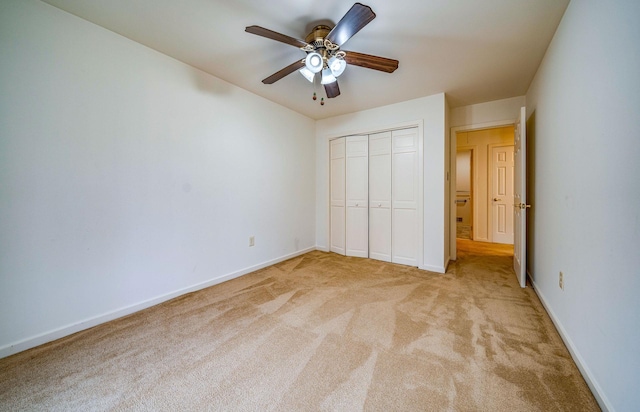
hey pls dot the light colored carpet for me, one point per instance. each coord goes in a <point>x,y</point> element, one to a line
<point>318,332</point>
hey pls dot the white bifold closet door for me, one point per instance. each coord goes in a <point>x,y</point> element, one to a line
<point>393,196</point>
<point>380,196</point>
<point>357,216</point>
<point>337,195</point>
<point>405,190</point>
<point>375,186</point>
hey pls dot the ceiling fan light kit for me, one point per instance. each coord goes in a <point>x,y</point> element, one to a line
<point>308,74</point>
<point>324,56</point>
<point>314,62</point>
<point>337,65</point>
<point>327,76</point>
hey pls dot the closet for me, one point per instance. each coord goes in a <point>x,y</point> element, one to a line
<point>375,196</point>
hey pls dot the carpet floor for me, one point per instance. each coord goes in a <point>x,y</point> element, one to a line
<point>318,332</point>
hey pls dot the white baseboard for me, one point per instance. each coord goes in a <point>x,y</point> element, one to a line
<point>431,268</point>
<point>596,389</point>
<point>50,336</point>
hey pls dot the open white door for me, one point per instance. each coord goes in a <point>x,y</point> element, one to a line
<point>520,199</point>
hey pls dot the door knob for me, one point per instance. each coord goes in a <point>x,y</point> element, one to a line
<point>356,205</point>
<point>379,204</point>
<point>495,199</point>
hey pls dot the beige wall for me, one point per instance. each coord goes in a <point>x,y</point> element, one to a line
<point>480,142</point>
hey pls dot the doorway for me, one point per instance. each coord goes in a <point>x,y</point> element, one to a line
<point>487,218</point>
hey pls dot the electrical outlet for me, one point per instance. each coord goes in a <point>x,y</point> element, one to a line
<point>561,280</point>
<point>252,241</point>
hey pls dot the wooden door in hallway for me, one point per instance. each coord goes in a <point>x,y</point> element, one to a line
<point>501,196</point>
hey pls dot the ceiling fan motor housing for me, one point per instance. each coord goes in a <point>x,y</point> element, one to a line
<point>317,36</point>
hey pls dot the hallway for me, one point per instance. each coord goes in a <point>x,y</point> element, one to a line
<point>469,248</point>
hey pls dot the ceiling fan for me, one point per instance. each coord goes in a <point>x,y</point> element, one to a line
<point>324,56</point>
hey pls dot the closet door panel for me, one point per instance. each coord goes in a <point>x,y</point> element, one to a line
<point>380,196</point>
<point>405,190</point>
<point>357,189</point>
<point>404,237</point>
<point>357,237</point>
<point>337,196</point>
<point>380,178</point>
<point>380,234</point>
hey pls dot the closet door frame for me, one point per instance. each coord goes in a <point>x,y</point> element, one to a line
<point>367,131</point>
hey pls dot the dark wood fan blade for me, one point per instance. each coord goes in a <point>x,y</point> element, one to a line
<point>371,62</point>
<point>284,72</point>
<point>356,18</point>
<point>273,35</point>
<point>332,90</point>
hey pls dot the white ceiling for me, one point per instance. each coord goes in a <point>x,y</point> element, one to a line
<point>473,50</point>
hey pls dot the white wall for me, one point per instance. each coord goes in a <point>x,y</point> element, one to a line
<point>489,112</point>
<point>127,177</point>
<point>430,111</point>
<point>582,108</point>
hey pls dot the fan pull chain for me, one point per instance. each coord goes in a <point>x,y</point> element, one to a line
<point>315,95</point>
